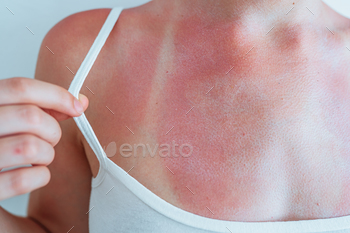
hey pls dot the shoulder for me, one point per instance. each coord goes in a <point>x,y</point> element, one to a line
<point>79,23</point>
<point>62,51</point>
<point>67,43</point>
<point>78,26</point>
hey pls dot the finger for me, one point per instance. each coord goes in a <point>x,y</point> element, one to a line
<point>57,115</point>
<point>21,119</point>
<point>61,116</point>
<point>23,180</point>
<point>32,91</point>
<point>25,149</point>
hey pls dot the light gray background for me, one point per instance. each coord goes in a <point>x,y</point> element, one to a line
<point>19,47</point>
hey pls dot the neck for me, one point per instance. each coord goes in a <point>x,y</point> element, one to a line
<point>261,10</point>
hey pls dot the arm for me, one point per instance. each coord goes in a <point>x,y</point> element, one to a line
<point>12,224</point>
<point>64,202</point>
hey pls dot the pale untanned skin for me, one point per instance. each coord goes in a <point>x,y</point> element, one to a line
<point>270,139</point>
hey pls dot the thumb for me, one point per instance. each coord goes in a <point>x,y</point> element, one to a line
<point>84,101</point>
<point>61,116</point>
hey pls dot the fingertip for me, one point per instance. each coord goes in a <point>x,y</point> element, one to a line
<point>84,101</point>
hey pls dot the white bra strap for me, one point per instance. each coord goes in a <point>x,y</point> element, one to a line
<point>80,77</point>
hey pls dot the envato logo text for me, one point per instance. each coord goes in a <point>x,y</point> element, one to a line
<point>164,150</point>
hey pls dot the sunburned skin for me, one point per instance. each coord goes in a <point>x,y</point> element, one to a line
<point>260,132</point>
<point>266,115</point>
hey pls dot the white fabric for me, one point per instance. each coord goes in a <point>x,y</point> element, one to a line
<point>119,203</point>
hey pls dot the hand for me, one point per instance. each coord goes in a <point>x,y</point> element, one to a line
<point>29,113</point>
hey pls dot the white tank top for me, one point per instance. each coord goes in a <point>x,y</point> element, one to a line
<point>119,203</point>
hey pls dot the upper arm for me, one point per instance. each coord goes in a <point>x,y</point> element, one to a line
<point>64,202</point>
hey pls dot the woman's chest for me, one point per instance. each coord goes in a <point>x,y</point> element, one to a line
<point>255,141</point>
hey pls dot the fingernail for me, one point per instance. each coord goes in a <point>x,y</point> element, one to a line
<point>78,106</point>
<point>81,96</point>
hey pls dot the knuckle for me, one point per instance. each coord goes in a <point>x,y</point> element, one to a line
<point>46,175</point>
<point>18,85</point>
<point>58,134</point>
<point>51,154</point>
<point>31,114</point>
<point>55,132</point>
<point>29,147</point>
<point>19,183</point>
